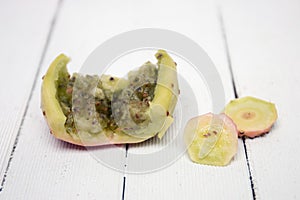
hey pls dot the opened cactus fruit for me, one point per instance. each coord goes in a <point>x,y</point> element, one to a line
<point>252,116</point>
<point>91,110</point>
<point>211,139</point>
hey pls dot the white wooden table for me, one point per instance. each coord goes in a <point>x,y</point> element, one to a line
<point>255,46</point>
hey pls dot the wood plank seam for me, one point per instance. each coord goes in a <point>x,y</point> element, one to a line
<point>124,178</point>
<point>220,16</point>
<point>124,185</point>
<point>223,31</point>
<point>45,48</point>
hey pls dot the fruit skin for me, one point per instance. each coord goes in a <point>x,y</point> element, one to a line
<point>166,92</point>
<point>248,128</point>
<point>225,146</point>
<point>55,117</point>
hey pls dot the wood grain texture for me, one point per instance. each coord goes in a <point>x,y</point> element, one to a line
<point>23,34</point>
<point>42,166</point>
<point>264,45</point>
<point>184,179</point>
<point>263,41</point>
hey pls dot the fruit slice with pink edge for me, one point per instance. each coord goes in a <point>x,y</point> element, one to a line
<point>252,116</point>
<point>211,139</point>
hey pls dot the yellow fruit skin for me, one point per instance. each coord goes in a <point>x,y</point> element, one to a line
<point>225,147</point>
<point>50,106</point>
<point>56,119</point>
<point>266,111</point>
<point>166,92</point>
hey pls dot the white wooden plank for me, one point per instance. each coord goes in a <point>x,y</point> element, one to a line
<point>264,44</point>
<point>184,179</point>
<point>42,166</point>
<point>23,34</point>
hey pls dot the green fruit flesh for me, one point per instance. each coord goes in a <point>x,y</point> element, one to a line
<point>87,101</point>
<point>131,106</point>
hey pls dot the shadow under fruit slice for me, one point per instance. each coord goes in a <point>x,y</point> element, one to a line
<point>61,110</point>
<point>252,116</point>
<point>211,139</point>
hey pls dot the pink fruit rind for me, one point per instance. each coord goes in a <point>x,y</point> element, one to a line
<point>253,134</point>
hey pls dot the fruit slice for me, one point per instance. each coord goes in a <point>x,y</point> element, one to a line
<point>252,116</point>
<point>211,139</point>
<point>78,108</point>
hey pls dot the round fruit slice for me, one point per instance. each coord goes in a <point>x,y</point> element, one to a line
<point>78,108</point>
<point>211,139</point>
<point>252,116</point>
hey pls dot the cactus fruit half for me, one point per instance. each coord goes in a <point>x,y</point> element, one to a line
<point>92,110</point>
<point>211,139</point>
<point>252,116</point>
